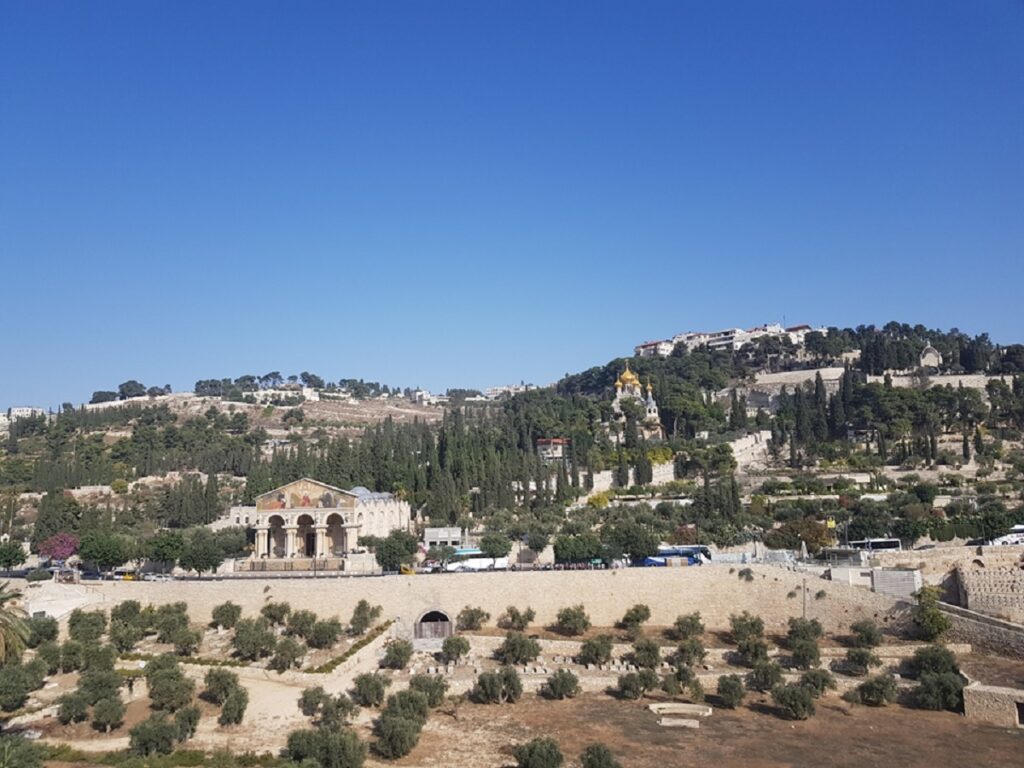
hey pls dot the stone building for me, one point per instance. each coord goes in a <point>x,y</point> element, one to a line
<point>930,358</point>
<point>310,519</point>
<point>628,387</point>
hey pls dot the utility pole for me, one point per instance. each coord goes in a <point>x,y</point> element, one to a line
<point>805,597</point>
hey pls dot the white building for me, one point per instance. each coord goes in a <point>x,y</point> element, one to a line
<point>730,339</point>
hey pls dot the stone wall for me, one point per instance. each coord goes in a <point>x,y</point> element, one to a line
<point>997,591</point>
<point>942,560</point>
<point>986,632</point>
<point>993,704</point>
<point>716,591</point>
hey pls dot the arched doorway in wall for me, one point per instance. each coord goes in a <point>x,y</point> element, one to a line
<point>335,535</point>
<point>305,536</point>
<point>432,625</point>
<point>276,536</point>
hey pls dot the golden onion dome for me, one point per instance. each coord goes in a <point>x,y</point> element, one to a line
<point>628,379</point>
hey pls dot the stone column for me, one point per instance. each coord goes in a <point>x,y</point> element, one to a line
<point>262,535</point>
<point>321,542</point>
<point>289,545</point>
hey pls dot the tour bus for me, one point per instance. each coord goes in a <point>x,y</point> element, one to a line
<point>1015,536</point>
<point>697,553</point>
<point>878,544</point>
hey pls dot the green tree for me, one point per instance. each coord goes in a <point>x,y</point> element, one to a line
<point>541,752</point>
<point>397,654</point>
<point>153,736</point>
<point>471,619</point>
<point>166,548</point>
<point>598,756</point>
<point>105,550</point>
<point>219,683</point>
<point>86,626</point>
<point>253,639</point>
<point>596,650</point>
<point>517,648</point>
<point>41,629</point>
<point>795,701</point>
<point>454,648</point>
<point>11,555</point>
<point>363,617</point>
<point>731,691</point>
<point>562,684</point>
<point>928,618</point>
<point>433,687</point>
<point>234,707</point>
<point>688,626</point>
<point>202,552</point>
<point>226,615</point>
<point>501,687</point>
<point>515,619</point>
<point>108,714</point>
<point>572,620</point>
<point>368,690</point>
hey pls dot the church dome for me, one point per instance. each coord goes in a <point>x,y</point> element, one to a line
<point>628,379</point>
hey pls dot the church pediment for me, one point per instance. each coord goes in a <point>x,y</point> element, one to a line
<point>305,494</point>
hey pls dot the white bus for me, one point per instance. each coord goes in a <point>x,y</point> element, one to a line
<point>878,544</point>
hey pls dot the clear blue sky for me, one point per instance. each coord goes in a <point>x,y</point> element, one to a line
<point>443,194</point>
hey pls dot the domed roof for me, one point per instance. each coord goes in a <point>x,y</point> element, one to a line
<point>628,379</point>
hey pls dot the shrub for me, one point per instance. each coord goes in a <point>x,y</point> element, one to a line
<point>108,714</point>
<point>803,629</point>
<point>805,653</point>
<point>434,687</point>
<point>753,650</point>
<point>746,574</point>
<point>817,681</point>
<point>696,690</point>
<point>647,653</point>
<point>409,704</point>
<point>363,616</point>
<point>71,656</point>
<point>19,752</point>
<point>99,684</point>
<point>86,626</point>
<point>186,721</point>
<point>332,711</point>
<point>287,654</point>
<point>688,626</point>
<point>731,691</point>
<point>369,689</point>
<point>127,612</point>
<point>41,629</point>
<point>396,736</point>
<point>865,634</point>
<point>324,633</point>
<point>49,654</point>
<point>72,708</point>
<point>933,658</point>
<point>153,736</point>
<point>276,613</point>
<point>670,684</point>
<point>301,623</point>
<point>795,701</point>
<point>821,594</point>
<point>397,655</point>
<point>169,689</point>
<point>539,753</point>
<point>454,648</point>
<point>598,756</point>
<point>633,685</point>
<point>124,636</point>
<point>234,707</point>
<point>38,574</point>
<point>858,660</point>
<point>562,684</point>
<point>13,688</point>
<point>517,648</point>
<point>765,676</point>
<point>690,652</point>
<point>35,673</point>
<point>515,619</point>
<point>572,620</point>
<point>471,619</point>
<point>596,650</point>
<point>219,683</point>
<point>226,615</point>
<point>253,639</point>
<point>635,617</point>
<point>186,641</point>
<point>876,691</point>
<point>745,626</point>
<point>311,699</point>
<point>501,687</point>
<point>928,618</point>
<point>98,657</point>
<point>326,748</point>
<point>169,620</point>
<point>939,690</point>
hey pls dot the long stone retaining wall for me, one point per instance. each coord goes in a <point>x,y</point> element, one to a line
<point>986,632</point>
<point>716,591</point>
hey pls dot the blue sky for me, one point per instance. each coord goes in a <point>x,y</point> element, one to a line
<point>445,194</point>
